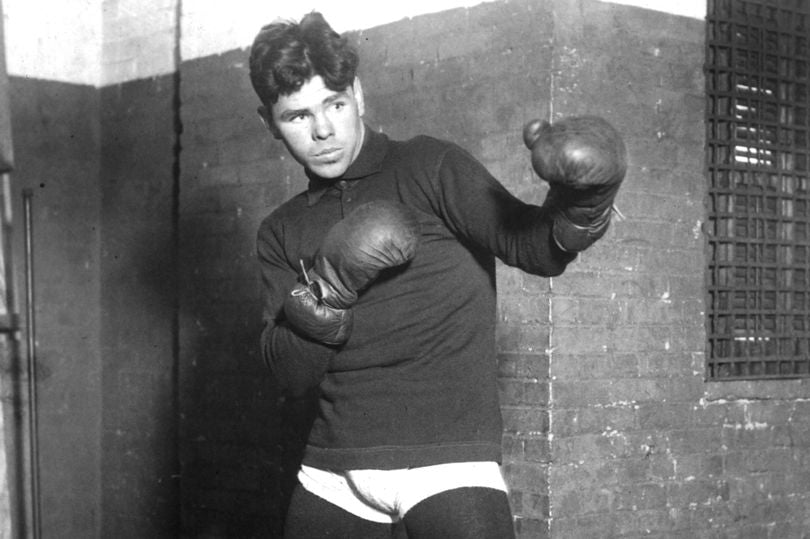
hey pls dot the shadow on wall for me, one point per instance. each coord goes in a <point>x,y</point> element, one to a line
<point>241,443</point>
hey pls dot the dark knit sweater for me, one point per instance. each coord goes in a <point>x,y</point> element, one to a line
<point>416,383</point>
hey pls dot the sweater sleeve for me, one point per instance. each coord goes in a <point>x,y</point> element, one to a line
<point>479,208</point>
<point>297,363</point>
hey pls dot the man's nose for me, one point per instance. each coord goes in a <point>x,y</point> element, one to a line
<point>322,127</point>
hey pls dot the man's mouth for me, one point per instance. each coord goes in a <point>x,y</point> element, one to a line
<point>327,153</point>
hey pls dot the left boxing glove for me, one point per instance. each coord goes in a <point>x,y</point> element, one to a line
<point>583,158</point>
<point>376,236</point>
<point>306,311</point>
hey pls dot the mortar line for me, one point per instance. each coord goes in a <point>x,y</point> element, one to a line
<point>177,120</point>
<point>550,342</point>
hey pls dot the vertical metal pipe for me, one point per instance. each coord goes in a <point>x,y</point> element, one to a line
<point>33,427</point>
<point>17,473</point>
<point>11,299</point>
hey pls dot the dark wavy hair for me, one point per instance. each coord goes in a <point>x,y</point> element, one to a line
<point>285,55</point>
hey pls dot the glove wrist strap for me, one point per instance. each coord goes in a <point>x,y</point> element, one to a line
<point>573,238</point>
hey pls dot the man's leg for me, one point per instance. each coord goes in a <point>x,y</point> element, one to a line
<point>461,513</point>
<point>312,517</point>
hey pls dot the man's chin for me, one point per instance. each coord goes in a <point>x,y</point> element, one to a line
<point>329,171</point>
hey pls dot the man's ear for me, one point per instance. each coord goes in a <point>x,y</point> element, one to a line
<point>357,88</point>
<point>267,120</point>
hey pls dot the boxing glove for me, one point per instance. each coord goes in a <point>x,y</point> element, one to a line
<point>306,311</point>
<point>583,158</point>
<point>376,236</point>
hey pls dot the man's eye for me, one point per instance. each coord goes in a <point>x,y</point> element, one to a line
<point>298,117</point>
<point>339,105</point>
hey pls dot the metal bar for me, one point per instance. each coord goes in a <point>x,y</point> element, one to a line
<point>757,155</point>
<point>32,363</point>
<point>17,474</point>
<point>11,300</point>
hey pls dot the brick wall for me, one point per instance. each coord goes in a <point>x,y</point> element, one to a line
<point>641,445</point>
<point>139,302</point>
<point>230,428</point>
<point>476,76</point>
<point>610,429</point>
<point>138,40</point>
<point>139,334</point>
<point>162,411</point>
<point>627,365</point>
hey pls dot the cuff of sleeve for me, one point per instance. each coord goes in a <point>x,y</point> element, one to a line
<point>573,238</point>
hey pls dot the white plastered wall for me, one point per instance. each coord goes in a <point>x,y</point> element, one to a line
<point>53,39</point>
<point>101,42</point>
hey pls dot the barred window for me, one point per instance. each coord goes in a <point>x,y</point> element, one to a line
<point>758,167</point>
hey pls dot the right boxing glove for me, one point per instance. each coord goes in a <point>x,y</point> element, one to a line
<point>374,237</point>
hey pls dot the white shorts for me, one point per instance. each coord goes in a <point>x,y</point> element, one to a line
<point>386,495</point>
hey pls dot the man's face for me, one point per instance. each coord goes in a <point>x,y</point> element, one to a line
<point>322,129</point>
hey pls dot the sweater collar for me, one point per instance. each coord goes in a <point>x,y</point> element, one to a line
<point>368,161</point>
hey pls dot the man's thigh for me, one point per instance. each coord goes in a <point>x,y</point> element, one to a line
<point>462,513</point>
<point>312,517</point>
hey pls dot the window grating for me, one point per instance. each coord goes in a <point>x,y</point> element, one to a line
<point>758,165</point>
